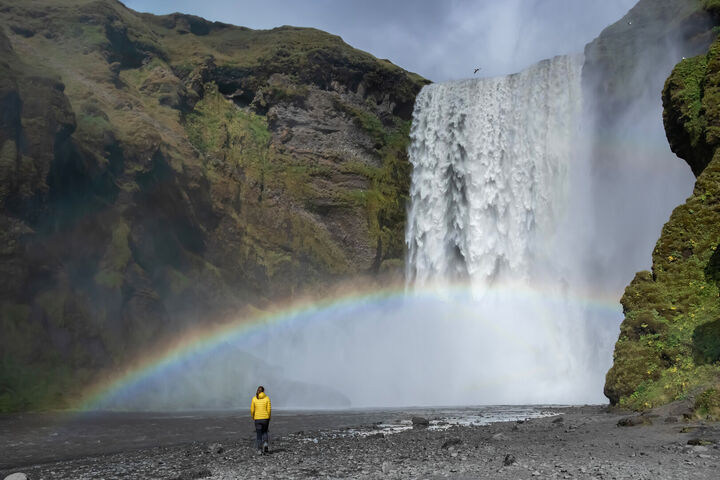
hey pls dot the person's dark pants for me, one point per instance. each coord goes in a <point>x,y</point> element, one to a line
<point>261,429</point>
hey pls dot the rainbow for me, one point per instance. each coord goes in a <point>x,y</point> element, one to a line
<point>206,339</point>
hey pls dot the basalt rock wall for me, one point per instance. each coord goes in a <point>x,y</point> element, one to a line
<point>669,344</point>
<point>159,173</point>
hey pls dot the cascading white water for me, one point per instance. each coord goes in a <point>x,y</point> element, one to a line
<point>489,185</point>
<point>497,191</point>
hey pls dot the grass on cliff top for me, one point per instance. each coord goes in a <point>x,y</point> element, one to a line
<point>686,87</point>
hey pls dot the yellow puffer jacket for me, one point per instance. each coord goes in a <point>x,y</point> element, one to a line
<point>260,407</point>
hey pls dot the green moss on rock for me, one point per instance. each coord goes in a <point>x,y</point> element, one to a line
<point>148,172</point>
<point>116,258</point>
<point>707,404</point>
<point>669,343</point>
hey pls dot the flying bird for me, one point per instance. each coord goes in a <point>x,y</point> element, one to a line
<point>477,70</point>
<point>629,22</point>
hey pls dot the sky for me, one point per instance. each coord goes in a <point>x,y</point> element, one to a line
<point>439,39</point>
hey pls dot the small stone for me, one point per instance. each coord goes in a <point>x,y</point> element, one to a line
<point>420,422</point>
<point>509,459</point>
<point>699,441</point>
<point>634,421</point>
<point>16,476</point>
<point>215,448</point>
<point>386,467</point>
<point>451,443</point>
<point>559,420</point>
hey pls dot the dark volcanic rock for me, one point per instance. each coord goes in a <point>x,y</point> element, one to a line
<point>668,346</point>
<point>453,442</point>
<point>161,172</point>
<point>634,421</point>
<point>215,448</point>
<point>420,422</point>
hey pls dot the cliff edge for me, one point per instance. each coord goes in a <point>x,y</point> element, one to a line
<point>669,344</point>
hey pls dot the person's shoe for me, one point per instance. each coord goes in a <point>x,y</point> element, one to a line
<point>266,449</point>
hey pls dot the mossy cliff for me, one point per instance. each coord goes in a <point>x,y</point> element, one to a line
<point>157,172</point>
<point>669,345</point>
<point>625,63</point>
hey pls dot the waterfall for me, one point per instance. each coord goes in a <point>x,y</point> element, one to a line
<point>494,200</point>
<point>490,173</point>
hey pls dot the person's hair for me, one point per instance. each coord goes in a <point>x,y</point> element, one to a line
<point>260,389</point>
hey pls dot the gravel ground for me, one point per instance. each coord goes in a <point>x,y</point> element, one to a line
<point>577,442</point>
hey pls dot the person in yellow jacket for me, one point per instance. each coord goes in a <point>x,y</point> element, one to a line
<point>260,412</point>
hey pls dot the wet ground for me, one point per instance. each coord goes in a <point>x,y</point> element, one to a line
<point>574,442</point>
<point>28,439</point>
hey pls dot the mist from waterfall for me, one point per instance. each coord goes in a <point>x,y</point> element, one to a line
<point>498,310</point>
<point>528,216</point>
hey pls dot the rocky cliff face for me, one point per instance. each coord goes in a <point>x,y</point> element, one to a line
<point>669,345</point>
<point>156,172</point>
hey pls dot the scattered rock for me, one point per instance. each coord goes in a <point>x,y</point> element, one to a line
<point>634,421</point>
<point>509,459</point>
<point>671,420</point>
<point>695,449</point>
<point>699,441</point>
<point>559,420</point>
<point>420,422</point>
<point>194,473</point>
<point>16,476</point>
<point>451,443</point>
<point>215,448</point>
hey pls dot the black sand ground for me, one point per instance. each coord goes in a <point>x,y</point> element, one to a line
<point>580,442</point>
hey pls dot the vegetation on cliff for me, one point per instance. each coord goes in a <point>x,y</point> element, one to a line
<point>669,345</point>
<point>156,172</point>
